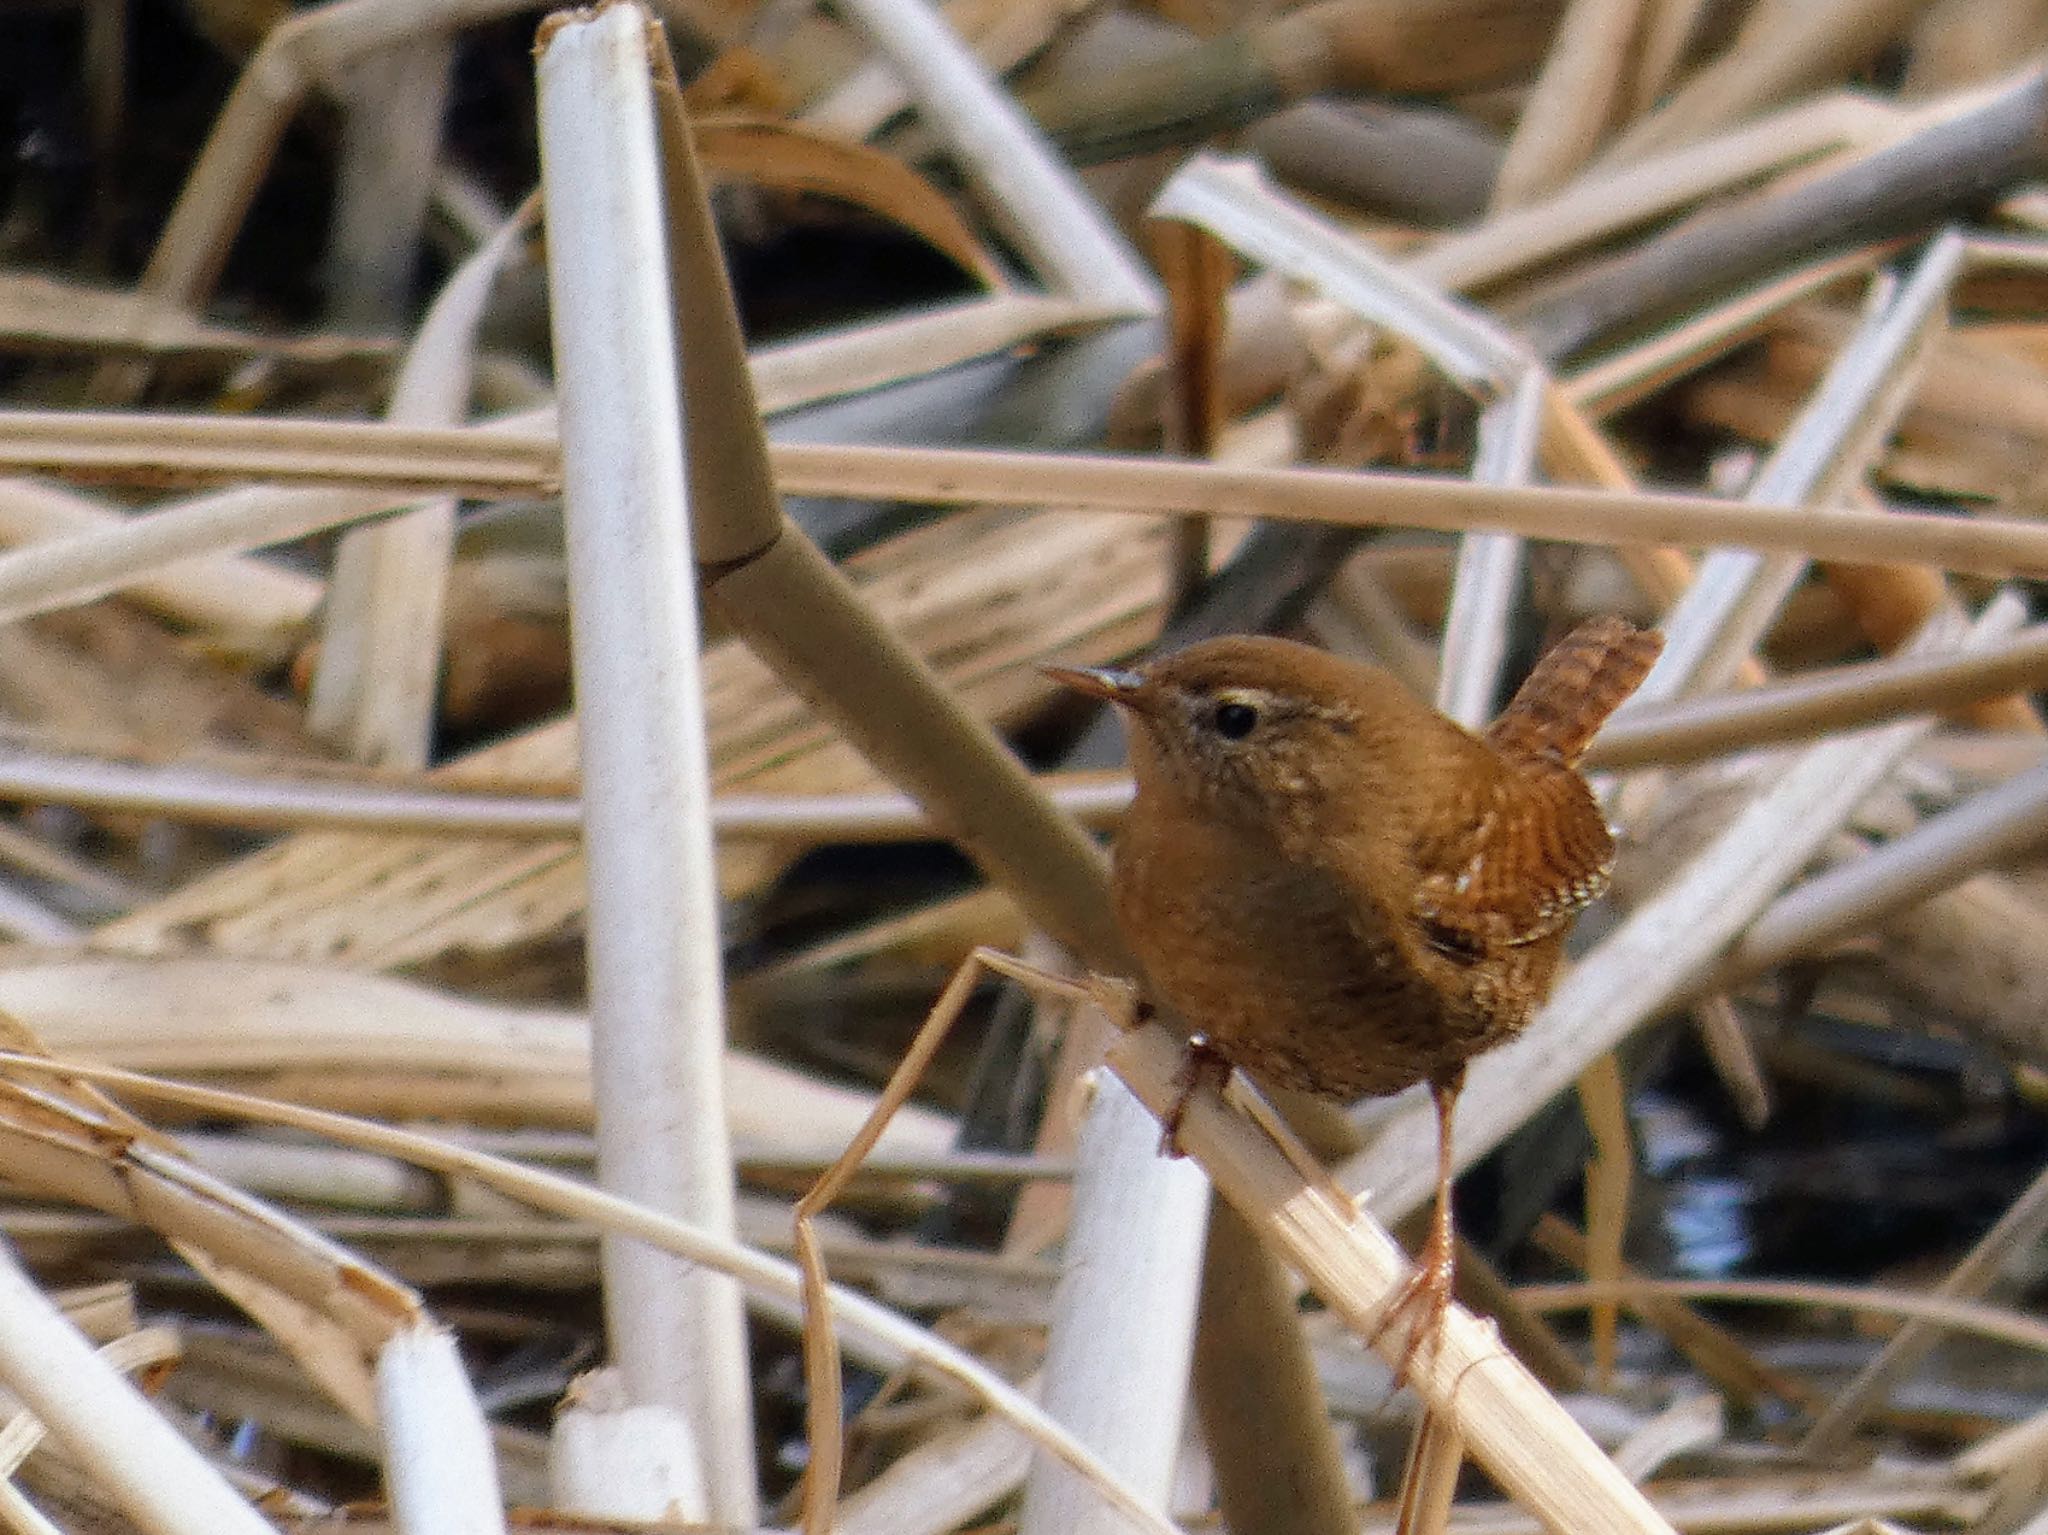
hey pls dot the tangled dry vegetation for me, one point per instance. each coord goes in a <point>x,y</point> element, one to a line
<point>469,1057</point>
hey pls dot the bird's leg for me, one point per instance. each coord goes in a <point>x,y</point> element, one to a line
<point>1202,1066</point>
<point>820,1345</point>
<point>1426,1295</point>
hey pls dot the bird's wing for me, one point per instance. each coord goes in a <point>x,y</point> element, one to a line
<point>1528,852</point>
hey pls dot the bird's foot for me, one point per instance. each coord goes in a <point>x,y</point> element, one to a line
<point>1419,1306</point>
<point>1203,1065</point>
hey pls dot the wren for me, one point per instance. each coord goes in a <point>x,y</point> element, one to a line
<point>1342,892</point>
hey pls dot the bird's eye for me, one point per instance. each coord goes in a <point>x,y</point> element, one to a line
<point>1235,721</point>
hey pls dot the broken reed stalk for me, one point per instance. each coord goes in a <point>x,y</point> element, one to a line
<point>1513,1427</point>
<point>1998,1324</point>
<point>880,1336</point>
<point>439,1466</point>
<point>677,1333</point>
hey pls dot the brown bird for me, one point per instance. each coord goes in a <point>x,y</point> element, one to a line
<point>1343,892</point>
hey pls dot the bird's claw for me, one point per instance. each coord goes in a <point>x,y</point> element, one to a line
<point>1202,1065</point>
<point>1420,1306</point>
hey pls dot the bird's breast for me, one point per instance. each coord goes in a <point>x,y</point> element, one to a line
<point>1289,969</point>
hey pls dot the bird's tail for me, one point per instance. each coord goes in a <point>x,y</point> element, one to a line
<point>1579,682</point>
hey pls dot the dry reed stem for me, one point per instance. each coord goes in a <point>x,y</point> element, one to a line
<point>439,1468</point>
<point>657,1005</point>
<point>238,602</point>
<point>882,1337</point>
<point>1512,1426</point>
<point>1681,732</point>
<point>1991,828</point>
<point>1610,1175</point>
<point>1429,1485</point>
<point>398,464</point>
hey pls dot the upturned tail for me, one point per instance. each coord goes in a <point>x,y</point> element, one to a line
<point>1579,682</point>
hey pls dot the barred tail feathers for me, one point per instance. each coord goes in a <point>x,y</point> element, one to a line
<point>1579,682</point>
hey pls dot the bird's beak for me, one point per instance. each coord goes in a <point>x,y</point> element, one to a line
<point>1110,682</point>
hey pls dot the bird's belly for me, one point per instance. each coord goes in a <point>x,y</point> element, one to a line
<point>1299,986</point>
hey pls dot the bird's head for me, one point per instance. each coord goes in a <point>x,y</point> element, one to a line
<point>1251,725</point>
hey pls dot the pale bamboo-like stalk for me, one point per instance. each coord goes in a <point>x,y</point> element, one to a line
<point>677,1333</point>
<point>1514,1428</point>
<point>878,1335</point>
<point>1678,733</point>
<point>1040,203</point>
<point>1122,1336</point>
<point>439,1467</point>
<point>1162,486</point>
<point>1659,953</point>
<point>159,1479</point>
<point>380,650</point>
<point>1815,702</point>
<point>846,362</point>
